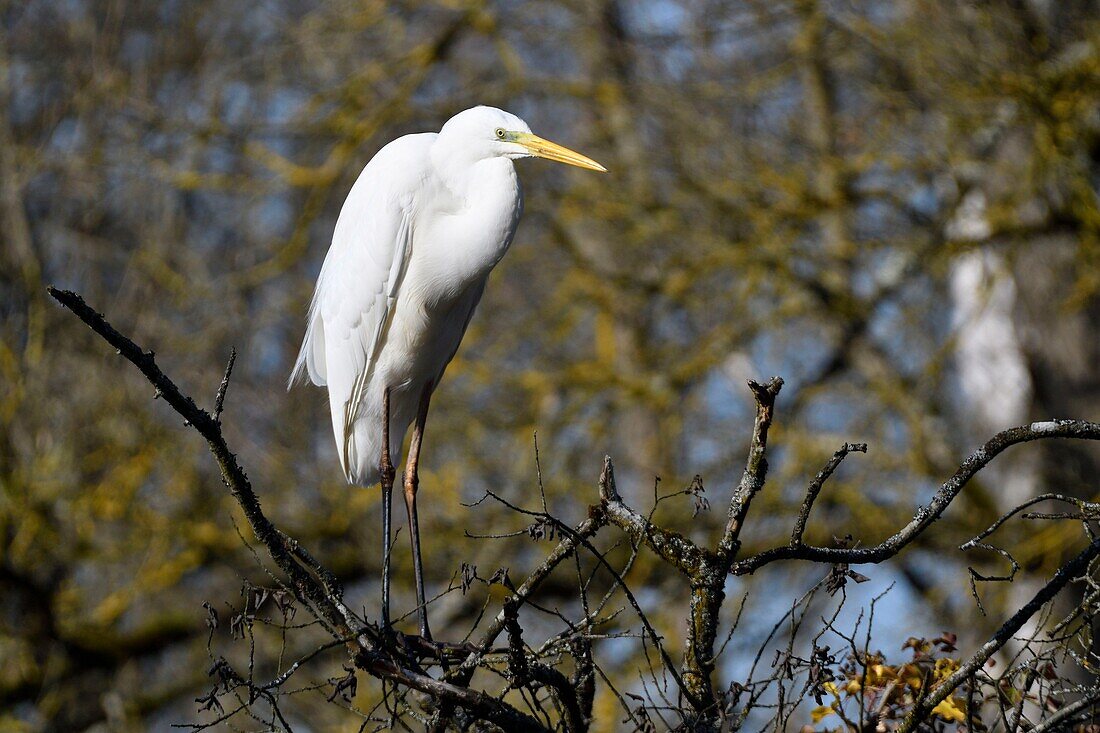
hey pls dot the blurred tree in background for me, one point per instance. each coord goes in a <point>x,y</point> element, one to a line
<point>892,204</point>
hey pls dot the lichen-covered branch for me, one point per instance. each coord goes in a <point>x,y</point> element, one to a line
<point>672,547</point>
<point>756,468</point>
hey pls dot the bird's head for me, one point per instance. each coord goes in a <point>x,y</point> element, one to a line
<point>488,132</point>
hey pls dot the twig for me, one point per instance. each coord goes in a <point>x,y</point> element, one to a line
<point>756,467</point>
<point>815,487</point>
<point>219,399</point>
<point>1062,716</point>
<point>607,484</point>
<point>1079,503</point>
<point>585,530</point>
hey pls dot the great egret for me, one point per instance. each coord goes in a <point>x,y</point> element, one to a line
<point>425,223</point>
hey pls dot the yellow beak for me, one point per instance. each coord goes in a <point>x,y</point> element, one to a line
<point>541,148</point>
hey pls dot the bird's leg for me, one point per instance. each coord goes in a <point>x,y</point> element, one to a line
<point>386,473</point>
<point>412,482</point>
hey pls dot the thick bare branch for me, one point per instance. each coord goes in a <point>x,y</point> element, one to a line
<point>526,670</point>
<point>232,474</point>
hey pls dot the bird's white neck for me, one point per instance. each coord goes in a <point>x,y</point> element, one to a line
<point>481,209</point>
<point>462,169</point>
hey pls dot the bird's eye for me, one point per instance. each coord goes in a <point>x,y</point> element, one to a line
<point>500,132</point>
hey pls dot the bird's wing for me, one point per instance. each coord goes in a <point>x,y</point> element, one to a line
<point>360,281</point>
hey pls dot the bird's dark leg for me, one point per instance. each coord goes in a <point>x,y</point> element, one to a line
<point>386,473</point>
<point>412,482</point>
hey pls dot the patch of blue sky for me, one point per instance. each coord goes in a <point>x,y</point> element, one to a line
<point>237,104</point>
<point>910,335</point>
<point>724,402</point>
<point>285,105</point>
<point>657,16</point>
<point>268,351</point>
<point>794,353</point>
<point>28,93</point>
<point>67,136</point>
<point>137,48</point>
<point>271,218</point>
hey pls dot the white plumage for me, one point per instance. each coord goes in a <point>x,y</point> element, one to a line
<point>417,237</point>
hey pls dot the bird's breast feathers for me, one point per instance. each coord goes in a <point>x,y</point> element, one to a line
<point>466,236</point>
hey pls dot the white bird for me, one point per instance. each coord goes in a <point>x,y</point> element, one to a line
<point>428,219</point>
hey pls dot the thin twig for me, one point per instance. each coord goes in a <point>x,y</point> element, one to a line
<point>815,487</point>
<point>219,398</point>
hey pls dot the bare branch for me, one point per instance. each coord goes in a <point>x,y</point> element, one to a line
<point>756,468</point>
<point>219,399</point>
<point>815,488</point>
<point>929,513</point>
<point>526,670</point>
<point>706,571</point>
<point>1063,716</point>
<point>672,547</point>
<point>232,474</point>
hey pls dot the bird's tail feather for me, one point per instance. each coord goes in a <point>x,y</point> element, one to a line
<point>361,449</point>
<point>311,357</point>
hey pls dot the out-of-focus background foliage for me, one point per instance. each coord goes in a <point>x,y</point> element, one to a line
<point>891,204</point>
